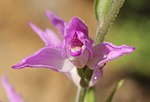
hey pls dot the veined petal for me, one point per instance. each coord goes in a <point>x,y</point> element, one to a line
<point>56,21</point>
<point>48,36</point>
<point>11,94</point>
<point>47,57</point>
<point>105,52</point>
<point>97,74</point>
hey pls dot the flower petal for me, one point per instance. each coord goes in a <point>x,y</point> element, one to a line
<point>86,41</point>
<point>80,61</point>
<point>76,27</point>
<point>53,38</point>
<point>48,36</point>
<point>97,74</point>
<point>56,21</point>
<point>11,94</point>
<point>105,52</point>
<point>48,57</point>
<point>74,76</point>
<point>76,24</point>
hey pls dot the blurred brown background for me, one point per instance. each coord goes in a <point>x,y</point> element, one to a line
<point>17,41</point>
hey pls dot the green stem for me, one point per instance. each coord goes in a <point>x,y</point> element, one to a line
<point>81,95</point>
<point>86,95</point>
<point>84,90</point>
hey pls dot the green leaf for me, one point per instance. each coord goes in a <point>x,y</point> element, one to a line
<point>90,95</point>
<point>101,8</point>
<point>117,86</point>
<point>105,11</point>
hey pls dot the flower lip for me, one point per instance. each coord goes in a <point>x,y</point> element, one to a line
<point>75,46</point>
<point>75,51</point>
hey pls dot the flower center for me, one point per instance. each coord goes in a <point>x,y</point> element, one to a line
<point>75,46</point>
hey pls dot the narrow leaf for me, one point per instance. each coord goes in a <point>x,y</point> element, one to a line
<point>117,86</point>
<point>105,11</point>
<point>90,95</point>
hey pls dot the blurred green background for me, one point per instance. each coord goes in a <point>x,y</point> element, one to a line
<point>17,40</point>
<point>133,27</point>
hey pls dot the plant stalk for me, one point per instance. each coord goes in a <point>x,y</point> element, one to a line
<point>81,95</point>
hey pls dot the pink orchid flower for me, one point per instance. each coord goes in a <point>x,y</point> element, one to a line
<point>74,50</point>
<point>11,94</point>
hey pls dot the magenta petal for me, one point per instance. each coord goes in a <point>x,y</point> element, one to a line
<point>56,21</point>
<point>80,61</point>
<point>40,33</point>
<point>97,74</point>
<point>76,24</point>
<point>47,57</point>
<point>53,38</point>
<point>106,52</point>
<point>11,94</point>
<point>48,36</point>
<point>77,29</point>
<point>86,41</point>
